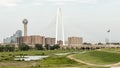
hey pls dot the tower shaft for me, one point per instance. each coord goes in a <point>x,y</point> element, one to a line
<point>25,22</point>
<point>59,16</point>
<point>57,26</point>
<point>25,29</point>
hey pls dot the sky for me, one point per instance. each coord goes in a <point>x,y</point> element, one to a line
<point>89,19</point>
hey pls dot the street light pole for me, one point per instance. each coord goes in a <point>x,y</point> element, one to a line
<point>108,33</point>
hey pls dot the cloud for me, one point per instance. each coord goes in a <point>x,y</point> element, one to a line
<point>63,2</point>
<point>9,2</point>
<point>45,2</point>
<point>88,1</point>
<point>80,1</point>
<point>59,3</point>
<point>38,4</point>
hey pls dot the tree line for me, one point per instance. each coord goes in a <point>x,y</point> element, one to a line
<point>25,47</point>
<point>7,48</point>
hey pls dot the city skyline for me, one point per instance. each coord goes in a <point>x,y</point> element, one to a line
<point>89,19</point>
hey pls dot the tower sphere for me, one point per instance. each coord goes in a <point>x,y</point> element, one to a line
<point>25,21</point>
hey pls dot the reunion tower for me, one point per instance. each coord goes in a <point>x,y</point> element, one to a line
<point>25,22</point>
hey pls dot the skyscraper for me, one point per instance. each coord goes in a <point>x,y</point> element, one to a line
<point>13,38</point>
<point>18,33</point>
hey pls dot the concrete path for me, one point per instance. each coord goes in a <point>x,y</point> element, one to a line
<point>90,64</point>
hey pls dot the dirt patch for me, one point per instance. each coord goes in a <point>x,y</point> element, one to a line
<point>18,64</point>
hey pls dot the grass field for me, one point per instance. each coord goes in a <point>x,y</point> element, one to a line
<point>99,57</point>
<point>6,56</point>
<point>58,61</point>
<point>113,50</point>
<point>38,52</point>
<point>52,62</point>
<point>62,61</point>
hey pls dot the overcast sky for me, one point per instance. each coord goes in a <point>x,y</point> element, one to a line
<point>89,19</point>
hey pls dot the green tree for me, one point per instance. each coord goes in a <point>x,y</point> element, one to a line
<point>23,47</point>
<point>47,46</point>
<point>9,48</point>
<point>100,43</point>
<point>2,48</point>
<point>39,46</point>
<point>56,46</point>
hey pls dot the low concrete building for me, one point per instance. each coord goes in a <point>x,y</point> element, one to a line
<point>75,40</point>
<point>50,41</point>
<point>31,40</point>
<point>60,42</point>
<point>38,40</point>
